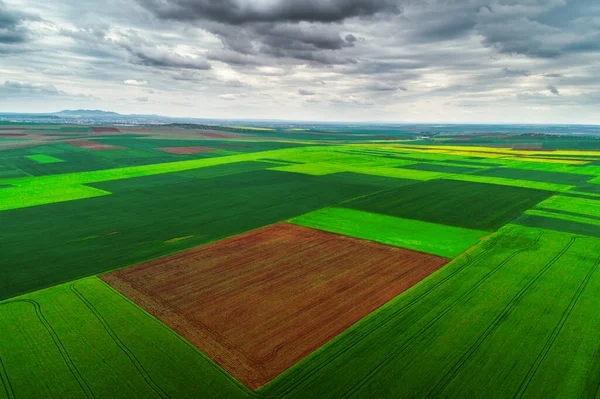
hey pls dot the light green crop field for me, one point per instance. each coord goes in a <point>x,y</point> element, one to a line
<point>83,339</point>
<point>436,239</point>
<point>43,158</point>
<point>511,314</point>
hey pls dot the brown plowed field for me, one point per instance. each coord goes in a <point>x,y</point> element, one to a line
<point>259,302</point>
<point>92,145</point>
<point>186,150</point>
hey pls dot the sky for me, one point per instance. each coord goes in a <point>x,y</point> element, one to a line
<point>433,61</point>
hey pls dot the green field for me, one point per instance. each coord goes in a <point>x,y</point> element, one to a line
<point>477,206</point>
<point>436,239</point>
<point>513,314</point>
<point>95,343</point>
<point>42,158</point>
<point>482,324</point>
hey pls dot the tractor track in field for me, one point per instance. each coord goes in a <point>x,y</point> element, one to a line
<point>438,317</point>
<point>506,311</point>
<point>556,332</point>
<point>58,343</point>
<point>238,384</point>
<point>354,341</point>
<point>8,389</point>
<point>134,360</point>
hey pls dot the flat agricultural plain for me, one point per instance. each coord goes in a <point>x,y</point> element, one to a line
<point>297,263</point>
<point>259,302</point>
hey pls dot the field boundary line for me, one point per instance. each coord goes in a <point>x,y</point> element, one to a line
<point>10,393</point>
<point>58,343</point>
<point>137,364</point>
<point>556,332</point>
<point>438,316</point>
<point>382,323</point>
<point>496,322</point>
<point>238,384</point>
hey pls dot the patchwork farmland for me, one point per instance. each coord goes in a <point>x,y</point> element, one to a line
<point>242,262</point>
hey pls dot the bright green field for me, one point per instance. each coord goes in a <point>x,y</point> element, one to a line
<point>83,339</point>
<point>437,239</point>
<point>41,158</point>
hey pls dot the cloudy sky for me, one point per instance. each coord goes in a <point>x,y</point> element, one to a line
<point>522,61</point>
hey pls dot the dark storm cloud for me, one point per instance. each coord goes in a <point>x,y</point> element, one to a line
<point>305,30</point>
<point>12,30</point>
<point>138,50</point>
<point>236,12</point>
<point>249,44</point>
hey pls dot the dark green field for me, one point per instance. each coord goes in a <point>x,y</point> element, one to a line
<point>478,206</point>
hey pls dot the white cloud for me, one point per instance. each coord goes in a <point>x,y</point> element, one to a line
<point>133,82</point>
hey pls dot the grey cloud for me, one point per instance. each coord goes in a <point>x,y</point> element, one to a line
<point>552,89</point>
<point>233,57</point>
<point>442,22</point>
<point>515,72</point>
<point>350,38</point>
<point>554,75</point>
<point>248,45</point>
<point>10,87</point>
<point>520,28</point>
<point>165,59</point>
<point>235,12</point>
<point>12,30</point>
<point>382,86</point>
<point>33,90</point>
<point>301,30</point>
<point>96,41</point>
<point>304,92</point>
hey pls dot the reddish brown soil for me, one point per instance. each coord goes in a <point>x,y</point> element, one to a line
<point>259,302</point>
<point>100,129</point>
<point>92,145</point>
<point>187,150</point>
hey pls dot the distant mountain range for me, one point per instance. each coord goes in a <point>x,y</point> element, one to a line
<point>85,113</point>
<point>91,116</point>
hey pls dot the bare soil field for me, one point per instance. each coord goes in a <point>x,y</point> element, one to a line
<point>92,145</point>
<point>259,302</point>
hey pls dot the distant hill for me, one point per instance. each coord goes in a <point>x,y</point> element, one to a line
<point>85,113</point>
